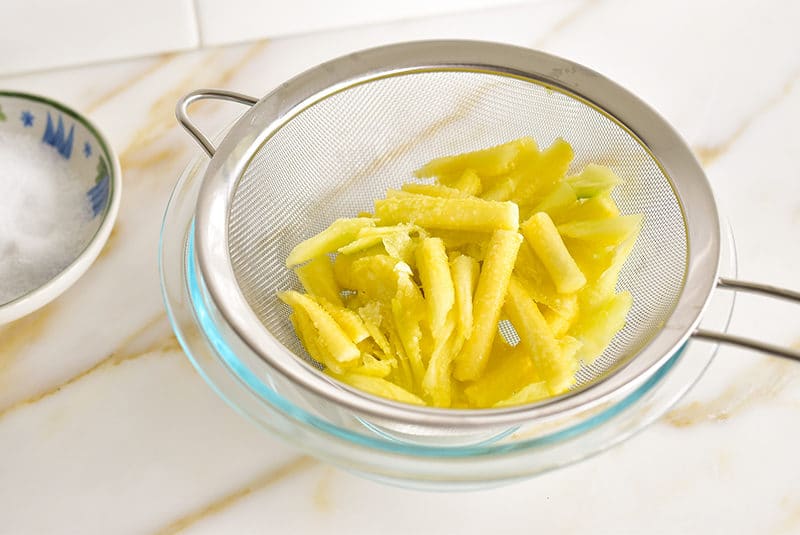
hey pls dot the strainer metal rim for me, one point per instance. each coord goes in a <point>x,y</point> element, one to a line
<point>277,108</point>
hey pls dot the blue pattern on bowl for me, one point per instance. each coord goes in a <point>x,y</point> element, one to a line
<point>55,136</point>
<point>60,128</point>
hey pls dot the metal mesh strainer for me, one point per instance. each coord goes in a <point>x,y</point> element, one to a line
<point>329,142</point>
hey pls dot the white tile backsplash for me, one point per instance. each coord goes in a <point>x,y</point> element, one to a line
<point>42,34</point>
<point>232,21</point>
<point>45,34</point>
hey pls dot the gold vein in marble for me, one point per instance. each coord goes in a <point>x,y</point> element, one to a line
<point>322,492</point>
<point>129,82</point>
<point>120,355</point>
<point>161,119</point>
<point>20,333</point>
<point>227,74</point>
<point>129,344</point>
<point>757,384</point>
<point>16,336</point>
<point>267,479</point>
<point>110,361</point>
<point>161,156</point>
<point>791,522</point>
<point>708,154</point>
<point>579,12</point>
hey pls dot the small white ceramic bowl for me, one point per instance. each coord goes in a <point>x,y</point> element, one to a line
<point>91,160</point>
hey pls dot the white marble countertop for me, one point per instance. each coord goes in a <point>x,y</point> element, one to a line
<point>106,428</point>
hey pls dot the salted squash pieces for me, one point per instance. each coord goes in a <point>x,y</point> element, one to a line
<point>484,283</point>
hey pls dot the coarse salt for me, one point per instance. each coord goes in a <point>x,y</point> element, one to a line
<point>45,215</point>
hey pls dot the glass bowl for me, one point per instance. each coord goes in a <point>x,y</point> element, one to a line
<point>413,456</point>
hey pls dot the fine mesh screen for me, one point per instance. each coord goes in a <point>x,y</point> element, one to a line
<point>336,157</point>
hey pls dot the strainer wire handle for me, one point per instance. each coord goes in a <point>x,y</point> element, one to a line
<point>182,112</point>
<point>749,343</point>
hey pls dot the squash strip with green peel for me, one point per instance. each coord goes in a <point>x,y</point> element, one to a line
<point>527,394</point>
<point>453,239</point>
<point>437,283</point>
<point>501,191</point>
<point>373,366</point>
<point>400,246</point>
<point>611,231</point>
<point>509,369</point>
<point>340,233</point>
<point>464,271</point>
<point>542,176</point>
<point>379,387</point>
<point>371,236</point>
<point>442,213</point>
<point>376,276</point>
<point>408,309</point>
<point>558,202</point>
<point>361,244</point>
<point>437,383</point>
<point>489,297</point>
<point>349,321</point>
<point>598,327</point>
<point>542,235</point>
<point>343,268</point>
<point>592,257</point>
<point>331,334</point>
<point>561,320</point>
<point>533,331</point>
<point>531,271</point>
<point>308,335</point>
<point>402,374</point>
<point>371,316</point>
<point>524,171</point>
<point>486,162</point>
<point>570,346</point>
<point>593,180</point>
<point>317,278</point>
<point>469,183</point>
<point>432,190</point>
<point>600,206</point>
<point>604,287</point>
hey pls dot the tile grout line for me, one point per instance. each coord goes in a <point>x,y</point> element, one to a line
<point>198,29</point>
